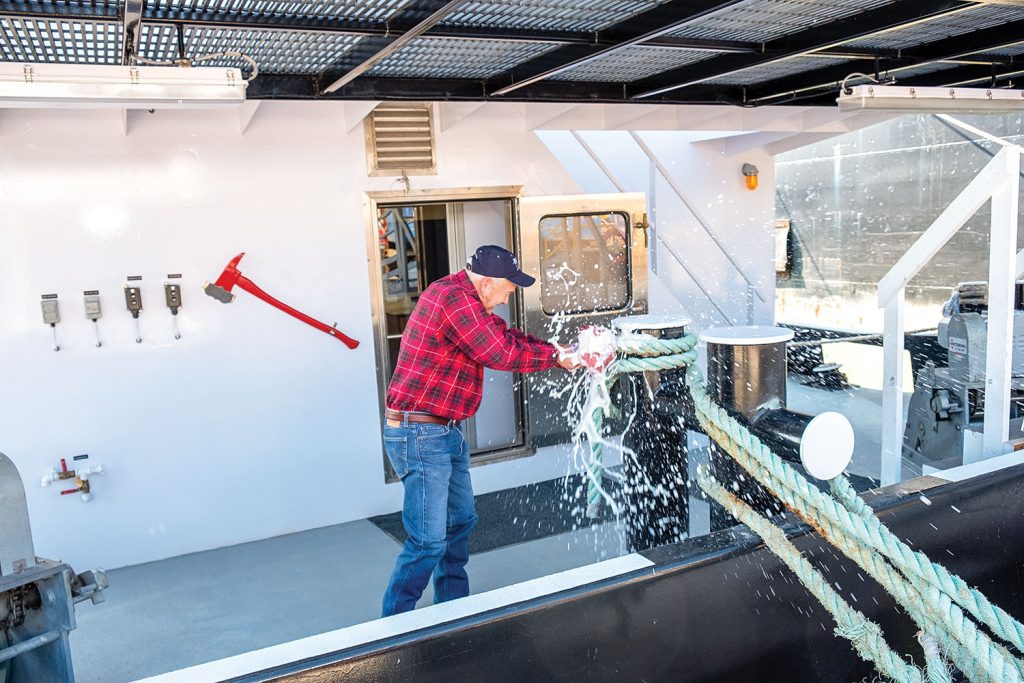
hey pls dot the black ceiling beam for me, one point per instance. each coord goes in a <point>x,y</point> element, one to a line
<point>45,10</point>
<point>957,47</point>
<point>265,22</point>
<point>967,75</point>
<point>812,39</point>
<point>653,23</point>
<point>280,86</point>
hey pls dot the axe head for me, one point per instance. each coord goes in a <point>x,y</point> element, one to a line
<point>221,289</point>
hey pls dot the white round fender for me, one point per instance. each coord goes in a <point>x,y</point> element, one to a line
<point>826,446</point>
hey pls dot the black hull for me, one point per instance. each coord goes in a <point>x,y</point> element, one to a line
<point>717,608</point>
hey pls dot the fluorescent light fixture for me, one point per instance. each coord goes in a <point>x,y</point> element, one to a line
<point>125,87</point>
<point>894,98</point>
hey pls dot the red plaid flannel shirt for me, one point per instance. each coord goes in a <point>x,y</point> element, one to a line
<point>449,340</point>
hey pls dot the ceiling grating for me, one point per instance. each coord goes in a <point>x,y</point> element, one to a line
<point>948,26</point>
<point>457,58</point>
<point>49,40</point>
<point>379,10</point>
<point>633,63</point>
<point>761,21</point>
<point>568,15</point>
<point>909,73</point>
<point>274,51</point>
<point>780,69</point>
<point>704,51</point>
<point>1011,50</point>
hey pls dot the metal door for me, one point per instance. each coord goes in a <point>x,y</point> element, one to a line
<point>497,431</point>
<point>419,243</point>
<point>589,255</point>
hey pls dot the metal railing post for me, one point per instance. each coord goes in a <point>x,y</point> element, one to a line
<point>892,390</point>
<point>652,231</point>
<point>1001,280</point>
<point>996,181</point>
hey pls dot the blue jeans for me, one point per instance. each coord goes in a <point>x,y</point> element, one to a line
<point>438,513</point>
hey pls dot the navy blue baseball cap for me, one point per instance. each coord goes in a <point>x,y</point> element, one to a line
<point>491,260</point>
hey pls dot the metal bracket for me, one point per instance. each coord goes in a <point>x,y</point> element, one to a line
<point>642,224</point>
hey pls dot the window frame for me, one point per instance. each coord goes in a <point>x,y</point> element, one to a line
<point>628,237</point>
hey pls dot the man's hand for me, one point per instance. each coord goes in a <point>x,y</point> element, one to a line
<point>567,359</point>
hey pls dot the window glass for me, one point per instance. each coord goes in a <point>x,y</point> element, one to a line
<point>584,263</point>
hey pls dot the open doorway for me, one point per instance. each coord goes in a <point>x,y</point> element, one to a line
<point>418,242</point>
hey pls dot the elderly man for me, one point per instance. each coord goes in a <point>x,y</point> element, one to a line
<point>451,336</point>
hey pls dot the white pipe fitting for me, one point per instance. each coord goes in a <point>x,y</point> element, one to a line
<point>84,473</point>
<point>49,477</point>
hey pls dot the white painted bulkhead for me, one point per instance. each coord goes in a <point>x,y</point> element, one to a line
<point>252,424</point>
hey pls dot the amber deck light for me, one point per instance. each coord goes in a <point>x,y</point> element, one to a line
<point>750,176</point>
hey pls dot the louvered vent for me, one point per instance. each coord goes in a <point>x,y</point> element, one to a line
<point>400,140</point>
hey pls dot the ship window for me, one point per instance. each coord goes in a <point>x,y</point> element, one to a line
<point>584,263</point>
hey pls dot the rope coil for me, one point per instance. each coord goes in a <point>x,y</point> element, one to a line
<point>940,602</point>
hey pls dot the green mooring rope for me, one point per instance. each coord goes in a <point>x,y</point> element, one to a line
<point>595,471</point>
<point>659,354</point>
<point>971,599</point>
<point>988,660</point>
<point>930,594</point>
<point>938,672</point>
<point>865,635</point>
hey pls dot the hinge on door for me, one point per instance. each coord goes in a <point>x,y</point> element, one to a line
<point>642,224</point>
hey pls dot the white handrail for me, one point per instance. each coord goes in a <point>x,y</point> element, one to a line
<point>996,181</point>
<point>992,177</point>
<point>751,288</point>
<point>595,157</point>
<point>953,121</point>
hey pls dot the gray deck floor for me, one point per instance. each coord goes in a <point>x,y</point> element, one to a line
<point>166,615</point>
<point>186,610</point>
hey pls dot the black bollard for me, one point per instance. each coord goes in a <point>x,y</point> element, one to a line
<point>655,489</point>
<point>747,377</point>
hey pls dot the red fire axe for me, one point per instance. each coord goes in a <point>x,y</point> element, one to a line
<point>221,291</point>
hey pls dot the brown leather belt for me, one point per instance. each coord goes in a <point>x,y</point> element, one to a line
<point>399,416</point>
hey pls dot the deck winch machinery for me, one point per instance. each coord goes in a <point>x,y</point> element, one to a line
<point>37,596</point>
<point>946,416</point>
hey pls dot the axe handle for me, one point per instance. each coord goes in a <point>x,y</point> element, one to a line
<point>249,286</point>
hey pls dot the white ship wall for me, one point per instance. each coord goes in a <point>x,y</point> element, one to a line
<point>253,424</point>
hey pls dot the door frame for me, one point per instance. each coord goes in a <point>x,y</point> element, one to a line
<point>371,202</point>
<point>633,206</point>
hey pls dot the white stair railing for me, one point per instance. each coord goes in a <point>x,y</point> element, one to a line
<point>997,181</point>
<point>752,291</point>
<point>655,167</point>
